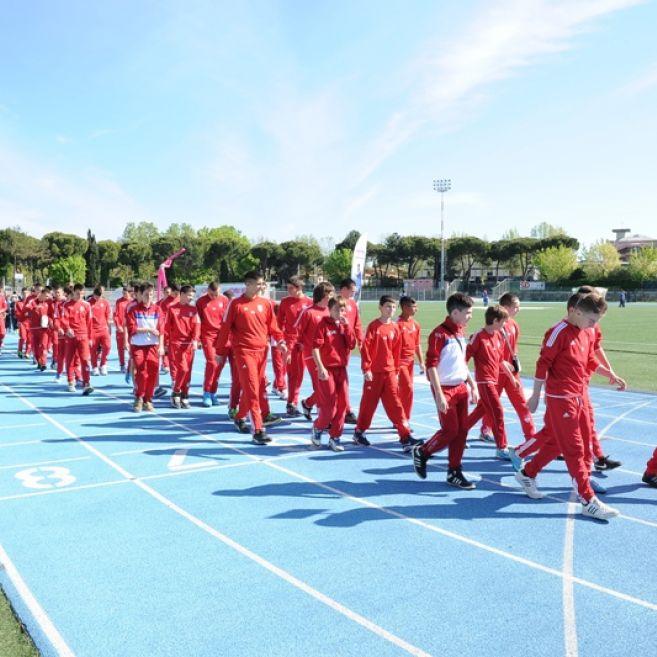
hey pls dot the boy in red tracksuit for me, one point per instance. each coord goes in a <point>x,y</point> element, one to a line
<point>76,321</point>
<point>511,334</point>
<point>486,348</point>
<point>39,322</point>
<point>289,310</point>
<point>145,327</point>
<point>650,475</point>
<point>3,314</point>
<point>304,334</point>
<point>278,363</point>
<point>211,308</point>
<point>332,345</point>
<point>183,327</point>
<point>411,335</point>
<point>56,311</point>
<point>19,311</point>
<point>566,357</point>
<point>101,340</point>
<point>235,389</point>
<point>347,292</point>
<point>248,325</point>
<point>448,373</point>
<point>119,324</point>
<point>172,295</point>
<point>379,355</point>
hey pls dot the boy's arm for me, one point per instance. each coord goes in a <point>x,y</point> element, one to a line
<point>321,370</point>
<point>365,355</point>
<point>549,350</point>
<point>438,395</point>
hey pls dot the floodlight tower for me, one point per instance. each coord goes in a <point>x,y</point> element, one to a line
<point>442,185</point>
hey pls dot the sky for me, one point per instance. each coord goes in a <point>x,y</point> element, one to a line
<point>317,117</point>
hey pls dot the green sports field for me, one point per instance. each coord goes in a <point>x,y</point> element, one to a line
<point>630,335</point>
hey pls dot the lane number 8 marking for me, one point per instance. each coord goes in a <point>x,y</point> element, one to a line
<point>46,477</point>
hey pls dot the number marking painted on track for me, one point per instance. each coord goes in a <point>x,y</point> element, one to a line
<point>46,477</point>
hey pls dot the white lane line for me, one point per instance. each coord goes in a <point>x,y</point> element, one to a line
<point>568,588</point>
<point>39,463</point>
<point>37,611</point>
<point>23,442</point>
<point>59,491</point>
<point>24,426</point>
<point>241,549</point>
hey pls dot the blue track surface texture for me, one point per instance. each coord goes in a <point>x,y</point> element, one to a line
<point>169,534</point>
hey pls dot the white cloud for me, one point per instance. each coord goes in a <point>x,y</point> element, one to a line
<point>647,80</point>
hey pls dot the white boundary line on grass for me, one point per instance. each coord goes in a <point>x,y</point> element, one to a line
<point>37,611</point>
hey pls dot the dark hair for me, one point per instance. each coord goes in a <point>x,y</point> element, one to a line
<point>339,301</point>
<point>56,287</point>
<point>406,301</point>
<point>229,294</point>
<point>495,312</point>
<point>146,286</point>
<point>592,303</point>
<point>214,286</point>
<point>585,289</point>
<point>295,281</point>
<point>67,290</point>
<point>347,282</point>
<point>459,301</point>
<point>386,298</point>
<point>321,290</point>
<point>77,287</point>
<point>174,287</point>
<point>508,299</point>
<point>98,291</point>
<point>573,300</point>
<point>47,289</point>
<point>185,289</point>
<point>252,275</point>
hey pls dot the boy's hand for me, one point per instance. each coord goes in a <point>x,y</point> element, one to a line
<point>322,374</point>
<point>220,360</point>
<point>368,376</point>
<point>422,369</point>
<point>532,402</point>
<point>441,404</point>
<point>474,395</point>
<point>160,351</point>
<point>617,381</point>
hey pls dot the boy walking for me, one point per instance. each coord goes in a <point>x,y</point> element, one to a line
<point>450,379</point>
<point>347,292</point>
<point>119,324</point>
<point>77,328</point>
<point>411,334</point>
<point>101,340</point>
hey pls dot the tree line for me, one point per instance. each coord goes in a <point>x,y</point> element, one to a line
<point>224,253</point>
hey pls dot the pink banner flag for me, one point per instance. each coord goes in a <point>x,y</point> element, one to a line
<point>161,272</point>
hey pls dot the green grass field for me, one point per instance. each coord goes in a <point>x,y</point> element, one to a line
<point>630,335</point>
<point>13,641</point>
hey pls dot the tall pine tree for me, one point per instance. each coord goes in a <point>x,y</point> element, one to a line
<point>92,258</point>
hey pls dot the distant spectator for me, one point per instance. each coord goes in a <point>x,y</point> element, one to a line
<point>484,297</point>
<point>622,299</point>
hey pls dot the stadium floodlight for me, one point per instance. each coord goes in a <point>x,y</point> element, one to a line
<point>442,185</point>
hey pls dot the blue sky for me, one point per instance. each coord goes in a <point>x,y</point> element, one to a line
<point>313,117</point>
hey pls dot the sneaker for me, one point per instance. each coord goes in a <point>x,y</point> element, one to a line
<point>57,379</point>
<point>103,370</point>
<point>122,369</point>
<point>307,411</point>
<point>164,370</point>
<point>232,412</point>
<point>138,405</point>
<point>148,406</point>
<point>95,372</point>
<point>419,462</point>
<point>487,437</point>
<point>597,487</point>
<point>260,438</point>
<point>350,418</point>
<point>316,437</point>
<point>71,386</point>
<point>159,392</point>
<point>650,479</point>
<point>271,420</point>
<point>87,390</point>
<point>19,353</point>
<point>503,454</point>
<point>292,411</point>
<point>184,402</point>
<point>128,377</point>
<point>214,398</point>
<point>528,485</point>
<point>207,400</point>
<point>42,368</point>
<point>335,445</point>
<point>409,443</point>
<point>241,425</point>
<point>455,477</point>
<point>598,510</point>
<point>176,401</point>
<point>282,393</point>
<point>516,461</point>
<point>605,463</point>
<point>360,439</point>
<point>53,364</point>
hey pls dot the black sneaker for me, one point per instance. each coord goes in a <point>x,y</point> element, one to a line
<point>419,462</point>
<point>350,418</point>
<point>307,411</point>
<point>241,425</point>
<point>271,420</point>
<point>605,463</point>
<point>560,458</point>
<point>409,443</point>
<point>360,439</point>
<point>87,390</point>
<point>159,392</point>
<point>292,411</point>
<point>260,438</point>
<point>650,479</point>
<point>455,477</point>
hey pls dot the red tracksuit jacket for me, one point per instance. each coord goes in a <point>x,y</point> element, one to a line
<point>487,350</point>
<point>354,319</point>
<point>381,349</point>
<point>100,315</point>
<point>306,326</point>
<point>335,342</point>
<point>211,311</point>
<point>288,313</point>
<point>410,335</point>
<point>77,318</point>
<point>182,324</point>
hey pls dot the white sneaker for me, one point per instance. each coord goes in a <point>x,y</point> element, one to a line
<point>71,387</point>
<point>599,510</point>
<point>103,370</point>
<point>335,445</point>
<point>282,394</point>
<point>95,371</point>
<point>529,486</point>
<point>57,379</point>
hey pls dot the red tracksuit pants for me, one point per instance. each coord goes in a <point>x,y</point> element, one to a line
<point>278,365</point>
<point>62,346</point>
<point>490,406</point>
<point>183,355</point>
<point>453,426</point>
<point>332,401</point>
<point>567,424</point>
<point>235,387</point>
<point>3,330</point>
<point>120,345</point>
<point>23,338</point>
<point>251,365</point>
<point>651,468</point>
<point>100,342</point>
<point>77,348</point>
<point>146,363</point>
<point>295,375</point>
<point>406,387</point>
<point>516,396</point>
<point>212,368</point>
<point>384,386</point>
<point>314,379</point>
<point>40,345</point>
